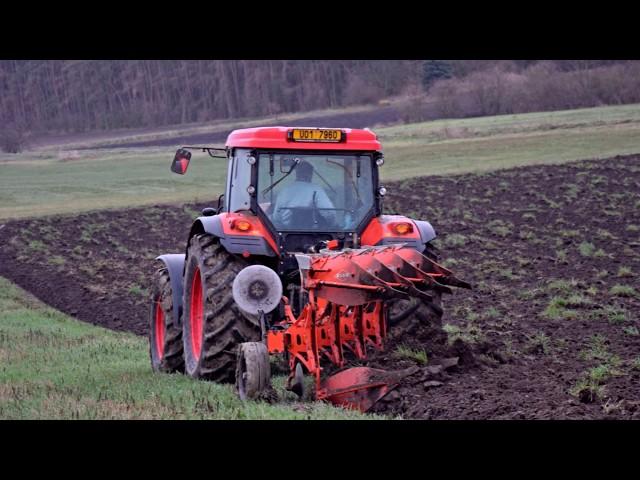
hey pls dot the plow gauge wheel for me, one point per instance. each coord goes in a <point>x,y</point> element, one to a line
<point>297,386</point>
<point>253,374</point>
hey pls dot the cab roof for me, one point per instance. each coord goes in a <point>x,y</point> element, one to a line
<point>279,138</point>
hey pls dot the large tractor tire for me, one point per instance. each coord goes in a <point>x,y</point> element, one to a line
<point>425,312</point>
<point>404,312</point>
<point>165,335</point>
<point>213,326</point>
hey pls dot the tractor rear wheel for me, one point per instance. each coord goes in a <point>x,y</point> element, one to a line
<point>165,335</point>
<point>427,312</point>
<point>213,326</point>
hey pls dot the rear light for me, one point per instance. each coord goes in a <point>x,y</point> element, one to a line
<point>402,228</point>
<point>241,225</point>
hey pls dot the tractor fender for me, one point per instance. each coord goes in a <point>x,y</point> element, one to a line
<point>175,266</point>
<point>236,244</point>
<point>376,232</point>
<point>427,232</point>
<point>211,225</point>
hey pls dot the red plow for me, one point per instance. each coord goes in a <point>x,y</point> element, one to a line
<point>346,317</point>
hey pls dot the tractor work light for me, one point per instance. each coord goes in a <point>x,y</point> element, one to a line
<point>380,161</point>
<point>382,191</point>
<point>402,228</point>
<point>241,225</point>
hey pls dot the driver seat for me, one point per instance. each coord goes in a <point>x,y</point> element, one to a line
<point>302,218</point>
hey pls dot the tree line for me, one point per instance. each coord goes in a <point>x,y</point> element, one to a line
<point>506,88</point>
<point>96,94</point>
<point>82,95</point>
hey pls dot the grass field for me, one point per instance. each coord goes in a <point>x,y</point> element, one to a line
<point>44,182</point>
<point>491,143</point>
<point>55,367</point>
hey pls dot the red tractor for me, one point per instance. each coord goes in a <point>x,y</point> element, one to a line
<point>297,259</point>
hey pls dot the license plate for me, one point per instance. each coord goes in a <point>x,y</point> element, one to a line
<point>316,135</point>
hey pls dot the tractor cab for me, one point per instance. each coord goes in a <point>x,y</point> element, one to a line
<point>305,185</point>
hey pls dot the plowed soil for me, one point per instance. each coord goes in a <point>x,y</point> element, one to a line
<point>550,329</point>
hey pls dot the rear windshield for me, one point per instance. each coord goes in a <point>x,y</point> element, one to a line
<point>315,192</point>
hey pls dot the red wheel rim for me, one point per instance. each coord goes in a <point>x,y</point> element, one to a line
<point>159,334</point>
<point>195,319</point>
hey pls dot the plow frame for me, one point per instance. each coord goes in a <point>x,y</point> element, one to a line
<point>325,330</point>
<point>346,314</point>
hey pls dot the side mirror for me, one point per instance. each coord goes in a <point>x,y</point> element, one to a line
<point>181,161</point>
<point>209,211</point>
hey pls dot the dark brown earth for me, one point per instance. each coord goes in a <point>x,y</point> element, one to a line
<point>94,266</point>
<point>550,330</point>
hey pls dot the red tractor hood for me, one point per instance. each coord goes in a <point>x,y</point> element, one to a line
<point>278,138</point>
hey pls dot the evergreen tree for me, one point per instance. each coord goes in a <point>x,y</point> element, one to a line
<point>433,70</point>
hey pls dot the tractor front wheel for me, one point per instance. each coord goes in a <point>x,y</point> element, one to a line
<point>165,335</point>
<point>213,326</point>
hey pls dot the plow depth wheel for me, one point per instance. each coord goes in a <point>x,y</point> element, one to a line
<point>253,372</point>
<point>213,326</point>
<point>297,386</point>
<point>165,336</point>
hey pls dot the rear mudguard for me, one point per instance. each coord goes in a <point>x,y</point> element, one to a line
<point>378,233</point>
<point>257,243</point>
<point>175,266</point>
<point>239,244</point>
<point>427,232</point>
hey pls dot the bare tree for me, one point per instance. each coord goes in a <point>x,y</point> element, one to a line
<point>75,95</point>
